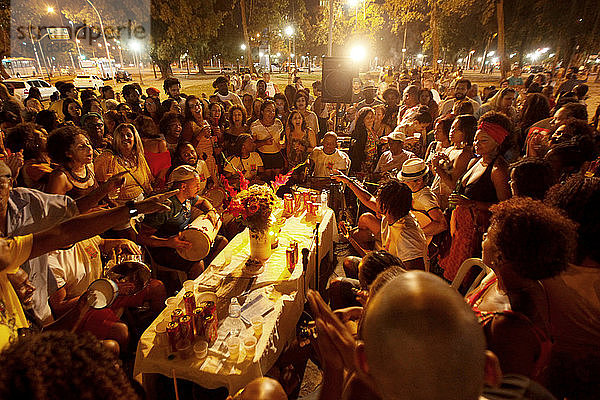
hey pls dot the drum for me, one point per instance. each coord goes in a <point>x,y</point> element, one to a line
<point>216,196</point>
<point>102,293</point>
<point>200,233</point>
<point>130,274</point>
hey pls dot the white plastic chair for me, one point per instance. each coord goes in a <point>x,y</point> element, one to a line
<point>465,267</point>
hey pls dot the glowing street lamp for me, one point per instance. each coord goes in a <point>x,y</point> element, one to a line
<point>137,48</point>
<point>358,53</point>
<point>243,47</point>
<point>289,31</point>
<point>50,10</point>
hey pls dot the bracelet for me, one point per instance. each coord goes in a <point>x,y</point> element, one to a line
<point>133,211</point>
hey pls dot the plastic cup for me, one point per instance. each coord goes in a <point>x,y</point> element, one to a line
<point>171,302</point>
<point>184,349</point>
<point>201,349</point>
<point>233,345</point>
<point>206,296</point>
<point>227,254</point>
<point>257,325</point>
<point>188,286</point>
<point>250,346</point>
<point>161,334</point>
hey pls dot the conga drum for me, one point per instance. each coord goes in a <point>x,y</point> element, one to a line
<point>201,234</point>
<point>216,196</point>
<point>130,274</point>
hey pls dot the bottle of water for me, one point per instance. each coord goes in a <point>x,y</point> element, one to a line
<point>235,320</point>
<point>324,198</point>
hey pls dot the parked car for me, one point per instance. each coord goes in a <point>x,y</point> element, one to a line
<point>122,76</point>
<point>22,87</point>
<point>88,82</point>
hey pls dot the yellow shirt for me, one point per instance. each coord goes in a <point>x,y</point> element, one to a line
<point>13,252</point>
<point>108,164</point>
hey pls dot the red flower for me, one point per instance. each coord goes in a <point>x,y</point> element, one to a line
<point>281,180</point>
<point>244,183</point>
<point>232,192</point>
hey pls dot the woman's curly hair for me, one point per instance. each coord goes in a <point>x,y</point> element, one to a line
<point>61,366</point>
<point>536,240</point>
<point>579,197</point>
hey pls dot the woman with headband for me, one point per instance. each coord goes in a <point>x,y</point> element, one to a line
<point>485,183</point>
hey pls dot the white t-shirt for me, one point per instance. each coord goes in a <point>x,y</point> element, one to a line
<point>312,121</point>
<point>387,162</point>
<point>261,132</point>
<point>325,163</point>
<point>404,238</point>
<point>248,166</point>
<point>77,267</point>
<point>423,201</point>
<point>203,175</point>
<point>271,89</point>
<point>232,97</point>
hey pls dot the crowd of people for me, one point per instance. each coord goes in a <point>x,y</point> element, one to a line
<point>435,171</point>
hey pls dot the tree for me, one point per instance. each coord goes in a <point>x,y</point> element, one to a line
<point>181,26</point>
<point>4,35</point>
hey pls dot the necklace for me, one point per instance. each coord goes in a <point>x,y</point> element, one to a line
<point>78,178</point>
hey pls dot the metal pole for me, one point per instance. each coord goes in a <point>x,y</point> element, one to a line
<point>139,60</point>
<point>35,52</point>
<point>112,72</point>
<point>121,56</point>
<point>39,42</point>
<point>404,44</point>
<point>330,33</point>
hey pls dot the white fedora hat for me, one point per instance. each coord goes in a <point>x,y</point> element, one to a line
<point>412,169</point>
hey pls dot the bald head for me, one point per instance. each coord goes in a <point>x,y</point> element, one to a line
<point>421,341</point>
<point>264,389</point>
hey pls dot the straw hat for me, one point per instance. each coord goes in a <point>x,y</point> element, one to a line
<point>413,169</point>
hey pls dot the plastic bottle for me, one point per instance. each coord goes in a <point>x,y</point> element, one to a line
<point>324,198</point>
<point>235,320</point>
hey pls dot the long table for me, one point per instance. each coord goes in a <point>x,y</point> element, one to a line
<point>278,293</point>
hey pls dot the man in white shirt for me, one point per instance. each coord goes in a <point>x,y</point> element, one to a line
<point>77,267</point>
<point>426,208</point>
<point>461,87</point>
<point>392,222</point>
<point>328,158</point>
<point>222,86</point>
<point>271,87</point>
<point>393,158</point>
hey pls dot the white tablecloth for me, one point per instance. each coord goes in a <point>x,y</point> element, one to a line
<point>285,294</point>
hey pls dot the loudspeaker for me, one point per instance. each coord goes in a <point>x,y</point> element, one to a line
<point>338,73</point>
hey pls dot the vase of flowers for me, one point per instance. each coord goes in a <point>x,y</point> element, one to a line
<point>253,206</point>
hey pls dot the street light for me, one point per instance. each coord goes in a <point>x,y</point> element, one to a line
<point>289,31</point>
<point>243,47</point>
<point>137,47</point>
<point>50,10</point>
<point>358,53</point>
<point>112,74</point>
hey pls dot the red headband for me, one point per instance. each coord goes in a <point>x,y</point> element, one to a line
<point>497,132</point>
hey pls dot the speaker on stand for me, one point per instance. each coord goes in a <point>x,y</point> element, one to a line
<point>337,76</point>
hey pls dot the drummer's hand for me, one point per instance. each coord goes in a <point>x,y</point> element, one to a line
<point>157,203</point>
<point>177,242</point>
<point>126,246</point>
<point>87,298</point>
<point>213,216</point>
